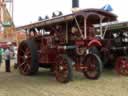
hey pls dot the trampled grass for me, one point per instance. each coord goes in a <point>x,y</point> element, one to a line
<point>44,84</point>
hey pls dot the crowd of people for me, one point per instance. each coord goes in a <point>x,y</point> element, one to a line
<point>6,54</point>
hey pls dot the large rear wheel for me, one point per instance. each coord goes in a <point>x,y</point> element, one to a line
<point>27,58</point>
<point>94,66</point>
<point>63,69</point>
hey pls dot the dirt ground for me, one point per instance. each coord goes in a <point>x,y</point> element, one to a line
<point>44,84</point>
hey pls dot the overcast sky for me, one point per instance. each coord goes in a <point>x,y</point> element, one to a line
<point>27,11</point>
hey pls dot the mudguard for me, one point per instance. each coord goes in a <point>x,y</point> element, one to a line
<point>94,42</point>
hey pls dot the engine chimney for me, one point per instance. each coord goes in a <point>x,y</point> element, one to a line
<point>75,5</point>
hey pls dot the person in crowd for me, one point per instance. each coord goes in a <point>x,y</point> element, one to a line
<point>7,56</point>
<point>1,56</point>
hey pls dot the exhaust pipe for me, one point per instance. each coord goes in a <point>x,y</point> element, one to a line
<point>75,5</point>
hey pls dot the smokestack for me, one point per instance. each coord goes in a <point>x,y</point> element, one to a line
<point>75,5</point>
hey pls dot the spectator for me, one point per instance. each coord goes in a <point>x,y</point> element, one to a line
<point>1,56</point>
<point>7,59</point>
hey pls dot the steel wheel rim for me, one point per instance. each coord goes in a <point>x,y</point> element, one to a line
<point>61,69</point>
<point>122,66</point>
<point>24,58</point>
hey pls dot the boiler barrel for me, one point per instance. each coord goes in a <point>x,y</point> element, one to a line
<point>119,50</point>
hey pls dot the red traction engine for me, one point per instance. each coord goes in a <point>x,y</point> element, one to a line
<point>62,44</point>
<point>114,50</point>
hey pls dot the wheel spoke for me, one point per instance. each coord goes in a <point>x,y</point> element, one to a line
<point>28,66</point>
<point>61,61</point>
<point>121,65</point>
<point>24,69</point>
<point>29,57</point>
<point>21,50</point>
<point>21,64</point>
<point>21,57</point>
<point>91,63</point>
<point>88,61</point>
<point>28,51</point>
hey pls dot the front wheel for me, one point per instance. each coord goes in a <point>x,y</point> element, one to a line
<point>121,65</point>
<point>63,69</point>
<point>94,66</point>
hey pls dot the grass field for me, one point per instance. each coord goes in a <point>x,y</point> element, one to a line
<point>44,84</point>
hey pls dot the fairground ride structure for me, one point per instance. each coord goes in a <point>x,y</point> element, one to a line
<point>7,27</point>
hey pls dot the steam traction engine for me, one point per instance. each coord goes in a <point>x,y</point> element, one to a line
<point>62,44</point>
<point>114,50</point>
